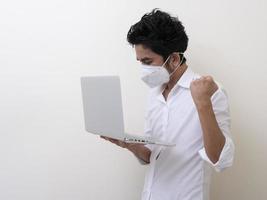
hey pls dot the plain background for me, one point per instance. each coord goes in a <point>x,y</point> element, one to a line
<point>45,46</point>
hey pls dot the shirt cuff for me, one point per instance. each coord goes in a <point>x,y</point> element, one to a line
<point>226,156</point>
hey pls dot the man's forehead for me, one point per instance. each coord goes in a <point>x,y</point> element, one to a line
<point>143,52</point>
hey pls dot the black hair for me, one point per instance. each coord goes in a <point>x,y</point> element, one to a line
<point>160,32</point>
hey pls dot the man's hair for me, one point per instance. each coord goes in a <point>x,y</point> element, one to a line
<point>160,32</point>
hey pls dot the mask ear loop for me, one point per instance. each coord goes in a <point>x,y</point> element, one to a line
<point>178,65</point>
<point>163,65</point>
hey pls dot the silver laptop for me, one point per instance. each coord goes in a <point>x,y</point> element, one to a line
<point>102,106</point>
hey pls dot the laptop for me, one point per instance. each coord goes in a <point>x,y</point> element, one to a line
<point>103,114</point>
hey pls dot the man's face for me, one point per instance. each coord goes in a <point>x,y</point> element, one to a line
<point>147,56</point>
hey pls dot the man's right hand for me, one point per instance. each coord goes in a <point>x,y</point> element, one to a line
<point>115,141</point>
<point>139,150</point>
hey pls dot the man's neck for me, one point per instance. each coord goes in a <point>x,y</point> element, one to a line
<point>176,76</point>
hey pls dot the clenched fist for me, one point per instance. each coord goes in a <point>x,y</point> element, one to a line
<point>202,89</point>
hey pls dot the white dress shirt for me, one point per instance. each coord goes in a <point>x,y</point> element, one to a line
<point>182,172</point>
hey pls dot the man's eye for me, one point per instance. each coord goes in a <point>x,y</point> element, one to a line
<point>147,63</point>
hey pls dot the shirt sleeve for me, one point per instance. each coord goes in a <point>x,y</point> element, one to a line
<point>222,114</point>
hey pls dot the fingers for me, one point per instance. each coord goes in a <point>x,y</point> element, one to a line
<point>103,137</point>
<point>208,77</point>
<point>203,80</point>
<point>114,141</point>
<point>109,139</point>
<point>210,80</point>
<point>203,86</point>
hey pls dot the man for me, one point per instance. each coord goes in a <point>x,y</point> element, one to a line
<point>183,108</point>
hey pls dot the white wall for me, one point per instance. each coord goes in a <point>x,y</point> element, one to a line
<point>45,46</point>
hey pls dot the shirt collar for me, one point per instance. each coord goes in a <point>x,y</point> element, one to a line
<point>184,82</point>
<point>186,78</point>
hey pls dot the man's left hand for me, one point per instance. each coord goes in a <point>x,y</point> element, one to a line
<point>202,89</point>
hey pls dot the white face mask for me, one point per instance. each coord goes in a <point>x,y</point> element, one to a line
<point>155,76</point>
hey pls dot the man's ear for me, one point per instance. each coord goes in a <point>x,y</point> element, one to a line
<point>175,60</point>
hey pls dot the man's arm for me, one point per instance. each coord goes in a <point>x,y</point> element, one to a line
<point>139,150</point>
<point>202,89</point>
<point>213,137</point>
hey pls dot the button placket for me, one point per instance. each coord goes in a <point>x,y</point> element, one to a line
<point>165,118</point>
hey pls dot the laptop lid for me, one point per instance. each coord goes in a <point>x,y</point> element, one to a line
<point>102,106</point>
